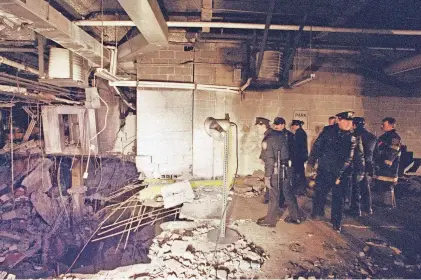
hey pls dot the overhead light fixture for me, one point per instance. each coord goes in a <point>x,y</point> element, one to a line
<point>304,80</point>
<point>106,75</point>
<point>219,129</point>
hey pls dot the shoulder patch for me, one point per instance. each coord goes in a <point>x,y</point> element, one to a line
<point>264,145</point>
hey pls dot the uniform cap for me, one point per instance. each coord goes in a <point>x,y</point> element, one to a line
<point>358,121</point>
<point>260,120</point>
<point>279,120</point>
<point>348,115</point>
<point>297,122</point>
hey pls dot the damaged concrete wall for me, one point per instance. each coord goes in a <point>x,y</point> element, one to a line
<point>337,87</point>
<point>164,131</point>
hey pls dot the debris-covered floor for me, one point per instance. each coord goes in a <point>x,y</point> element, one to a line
<point>39,239</point>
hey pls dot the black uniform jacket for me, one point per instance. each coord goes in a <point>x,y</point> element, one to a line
<point>387,156</point>
<point>336,151</point>
<point>299,146</point>
<point>274,142</point>
<point>369,141</point>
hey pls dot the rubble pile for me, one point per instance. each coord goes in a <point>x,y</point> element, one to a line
<point>250,186</point>
<point>45,220</point>
<point>378,259</point>
<point>184,252</point>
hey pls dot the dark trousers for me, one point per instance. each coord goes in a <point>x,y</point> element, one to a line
<point>325,182</point>
<point>361,195</point>
<point>299,178</point>
<point>286,194</point>
<point>273,206</point>
<point>386,191</point>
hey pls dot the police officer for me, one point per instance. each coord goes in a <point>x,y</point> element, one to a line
<point>387,159</point>
<point>334,150</point>
<point>361,191</point>
<point>263,126</point>
<point>299,155</point>
<point>276,156</point>
<point>287,194</point>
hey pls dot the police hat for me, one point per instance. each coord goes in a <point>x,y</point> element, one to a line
<point>359,121</point>
<point>261,121</point>
<point>297,122</point>
<point>348,115</point>
<point>279,120</point>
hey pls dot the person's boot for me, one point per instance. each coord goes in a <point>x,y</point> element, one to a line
<point>291,220</point>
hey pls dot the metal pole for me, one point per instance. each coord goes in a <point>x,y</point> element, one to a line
<point>225,188</point>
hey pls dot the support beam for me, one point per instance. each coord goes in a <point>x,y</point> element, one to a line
<point>148,18</point>
<point>41,59</point>
<point>259,26</point>
<point>206,14</point>
<point>347,13</point>
<point>265,38</point>
<point>404,65</point>
<point>47,21</point>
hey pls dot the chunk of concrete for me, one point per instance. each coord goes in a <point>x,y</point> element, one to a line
<point>178,225</point>
<point>45,206</point>
<point>259,174</point>
<point>39,179</point>
<point>242,188</point>
<point>179,247</point>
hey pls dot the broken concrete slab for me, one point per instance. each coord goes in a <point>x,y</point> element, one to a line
<point>259,174</point>
<point>48,208</point>
<point>177,225</point>
<point>206,205</point>
<point>179,247</point>
<point>39,179</point>
<point>242,188</point>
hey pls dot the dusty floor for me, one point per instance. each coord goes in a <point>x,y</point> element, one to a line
<point>314,249</point>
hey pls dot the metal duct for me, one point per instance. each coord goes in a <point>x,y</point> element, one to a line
<point>271,66</point>
<point>47,21</point>
<point>148,18</point>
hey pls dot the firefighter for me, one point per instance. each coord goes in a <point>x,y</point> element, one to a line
<point>387,159</point>
<point>361,191</point>
<point>300,155</point>
<point>334,150</point>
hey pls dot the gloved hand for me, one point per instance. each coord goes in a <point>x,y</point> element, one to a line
<point>310,170</point>
<point>267,182</point>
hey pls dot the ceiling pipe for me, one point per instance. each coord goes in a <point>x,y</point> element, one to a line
<point>18,65</point>
<point>280,27</point>
<point>18,50</point>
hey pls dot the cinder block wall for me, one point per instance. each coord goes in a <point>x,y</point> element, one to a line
<point>171,138</point>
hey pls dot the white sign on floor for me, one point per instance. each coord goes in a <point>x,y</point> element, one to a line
<point>177,193</point>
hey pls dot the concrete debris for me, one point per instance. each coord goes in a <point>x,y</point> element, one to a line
<point>259,174</point>
<point>206,205</point>
<point>242,188</point>
<point>39,179</point>
<point>48,208</point>
<point>178,225</point>
<point>250,186</point>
